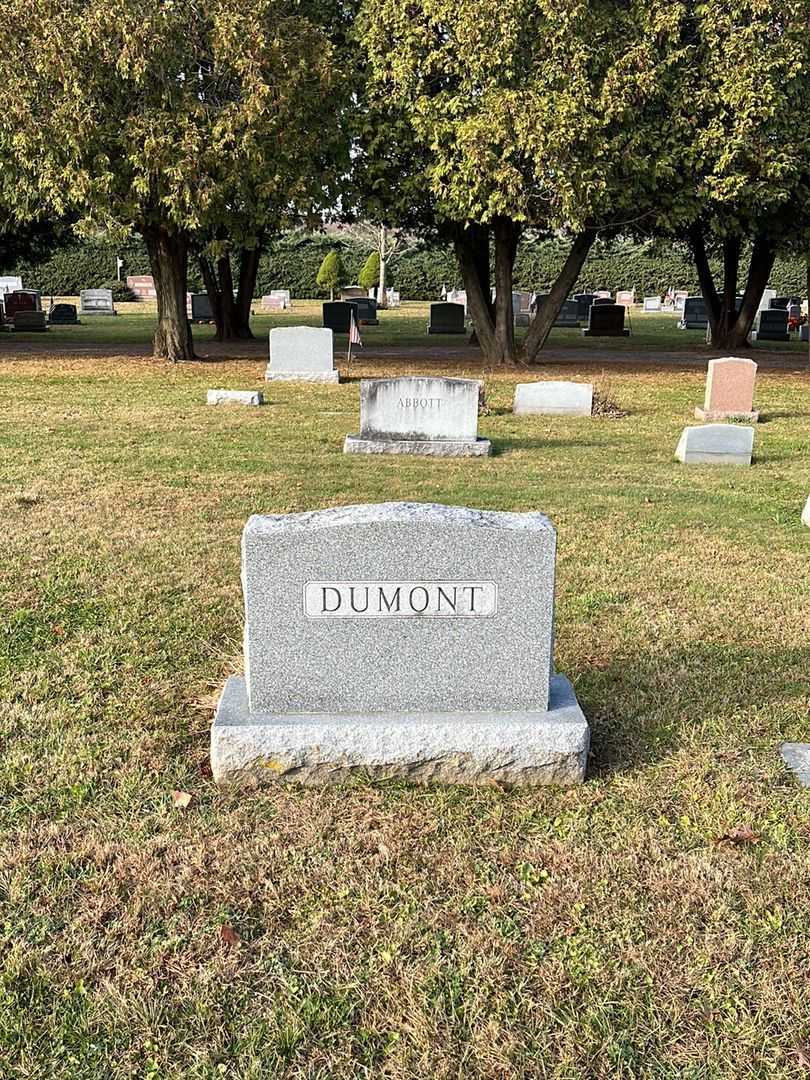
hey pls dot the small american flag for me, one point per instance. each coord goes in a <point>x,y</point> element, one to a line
<point>354,332</point>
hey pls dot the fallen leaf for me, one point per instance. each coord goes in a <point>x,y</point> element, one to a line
<point>181,799</point>
<point>742,834</point>
<point>205,769</point>
<point>229,935</point>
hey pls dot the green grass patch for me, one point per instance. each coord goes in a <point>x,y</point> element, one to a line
<point>385,930</point>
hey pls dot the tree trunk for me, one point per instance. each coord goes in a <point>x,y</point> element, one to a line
<point>762,260</point>
<point>168,258</point>
<point>382,301</point>
<point>808,311</point>
<point>507,233</point>
<point>231,313</point>
<point>467,242</point>
<point>546,316</point>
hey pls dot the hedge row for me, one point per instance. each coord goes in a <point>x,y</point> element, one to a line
<point>292,262</point>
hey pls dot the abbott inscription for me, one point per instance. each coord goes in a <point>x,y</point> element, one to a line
<point>400,599</point>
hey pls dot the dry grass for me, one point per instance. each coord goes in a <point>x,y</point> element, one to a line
<point>388,931</point>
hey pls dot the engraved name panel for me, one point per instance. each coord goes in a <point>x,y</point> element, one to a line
<point>400,599</point>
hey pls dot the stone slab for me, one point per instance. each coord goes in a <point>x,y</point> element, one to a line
<point>716,444</point>
<point>806,513</point>
<point>548,747</point>
<point>548,398</point>
<point>423,608</point>
<point>419,408</point>
<point>302,353</point>
<point>729,394</point>
<point>235,397</point>
<point>797,758</point>
<point>356,444</point>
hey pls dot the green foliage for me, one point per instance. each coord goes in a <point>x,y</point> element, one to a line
<point>369,276</point>
<point>120,290</point>
<point>332,274</point>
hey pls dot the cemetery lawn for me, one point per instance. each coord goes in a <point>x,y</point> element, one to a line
<point>651,923</point>
<point>404,326</point>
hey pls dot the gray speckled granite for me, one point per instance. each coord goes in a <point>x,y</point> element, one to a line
<point>510,748</point>
<point>797,758</point>
<point>299,664</point>
<point>355,444</point>
<point>403,639</point>
<point>716,444</point>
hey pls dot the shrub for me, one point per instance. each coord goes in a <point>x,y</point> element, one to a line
<point>369,276</point>
<point>332,273</point>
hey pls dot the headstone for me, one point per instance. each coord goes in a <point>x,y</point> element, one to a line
<point>96,302</point>
<point>10,284</point>
<point>337,315</point>
<point>806,513</point>
<point>804,332</point>
<point>605,294</point>
<point>568,315</point>
<point>765,302</point>
<point>352,292</point>
<point>30,321</point>
<point>716,444</point>
<point>434,417</point>
<point>553,399</point>
<point>652,303</point>
<point>273,303</point>
<point>143,285</point>
<point>797,758</point>
<point>779,303</point>
<point>446,318</point>
<point>235,397</point>
<point>626,297</point>
<point>773,325</point>
<point>21,300</point>
<point>201,310</point>
<point>729,391</point>
<point>399,640</point>
<point>63,315</point>
<point>392,298</point>
<point>283,295</point>
<point>606,320</point>
<point>695,314</point>
<point>301,354</point>
<point>602,301</point>
<point>584,303</point>
<point>680,298</point>
<point>458,296</point>
<point>367,311</point>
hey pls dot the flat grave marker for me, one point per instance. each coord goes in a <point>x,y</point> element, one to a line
<point>553,398</point>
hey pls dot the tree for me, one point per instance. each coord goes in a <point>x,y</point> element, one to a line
<point>174,120</point>
<point>332,274</point>
<point>369,276</point>
<point>744,97</point>
<point>546,114</point>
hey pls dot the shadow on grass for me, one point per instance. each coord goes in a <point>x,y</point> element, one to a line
<point>642,706</point>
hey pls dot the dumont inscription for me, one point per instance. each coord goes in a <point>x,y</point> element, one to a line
<point>400,599</point>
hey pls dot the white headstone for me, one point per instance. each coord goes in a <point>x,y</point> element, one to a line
<point>806,513</point>
<point>10,284</point>
<point>419,415</point>
<point>716,444</point>
<point>301,354</point>
<point>652,303</point>
<point>554,399</point>
<point>399,639</point>
<point>235,397</point>
<point>283,295</point>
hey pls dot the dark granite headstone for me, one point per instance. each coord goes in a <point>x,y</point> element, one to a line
<point>446,319</point>
<point>584,302</point>
<point>201,308</point>
<point>773,325</point>
<point>337,315</point>
<point>367,311</point>
<point>21,300</point>
<point>602,301</point>
<point>606,320</point>
<point>30,321</point>
<point>695,314</point>
<point>779,302</point>
<point>63,315</point>
<point>568,315</point>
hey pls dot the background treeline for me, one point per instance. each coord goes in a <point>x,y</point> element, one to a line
<point>292,261</point>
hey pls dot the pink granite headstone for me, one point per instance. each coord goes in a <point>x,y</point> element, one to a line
<point>729,391</point>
